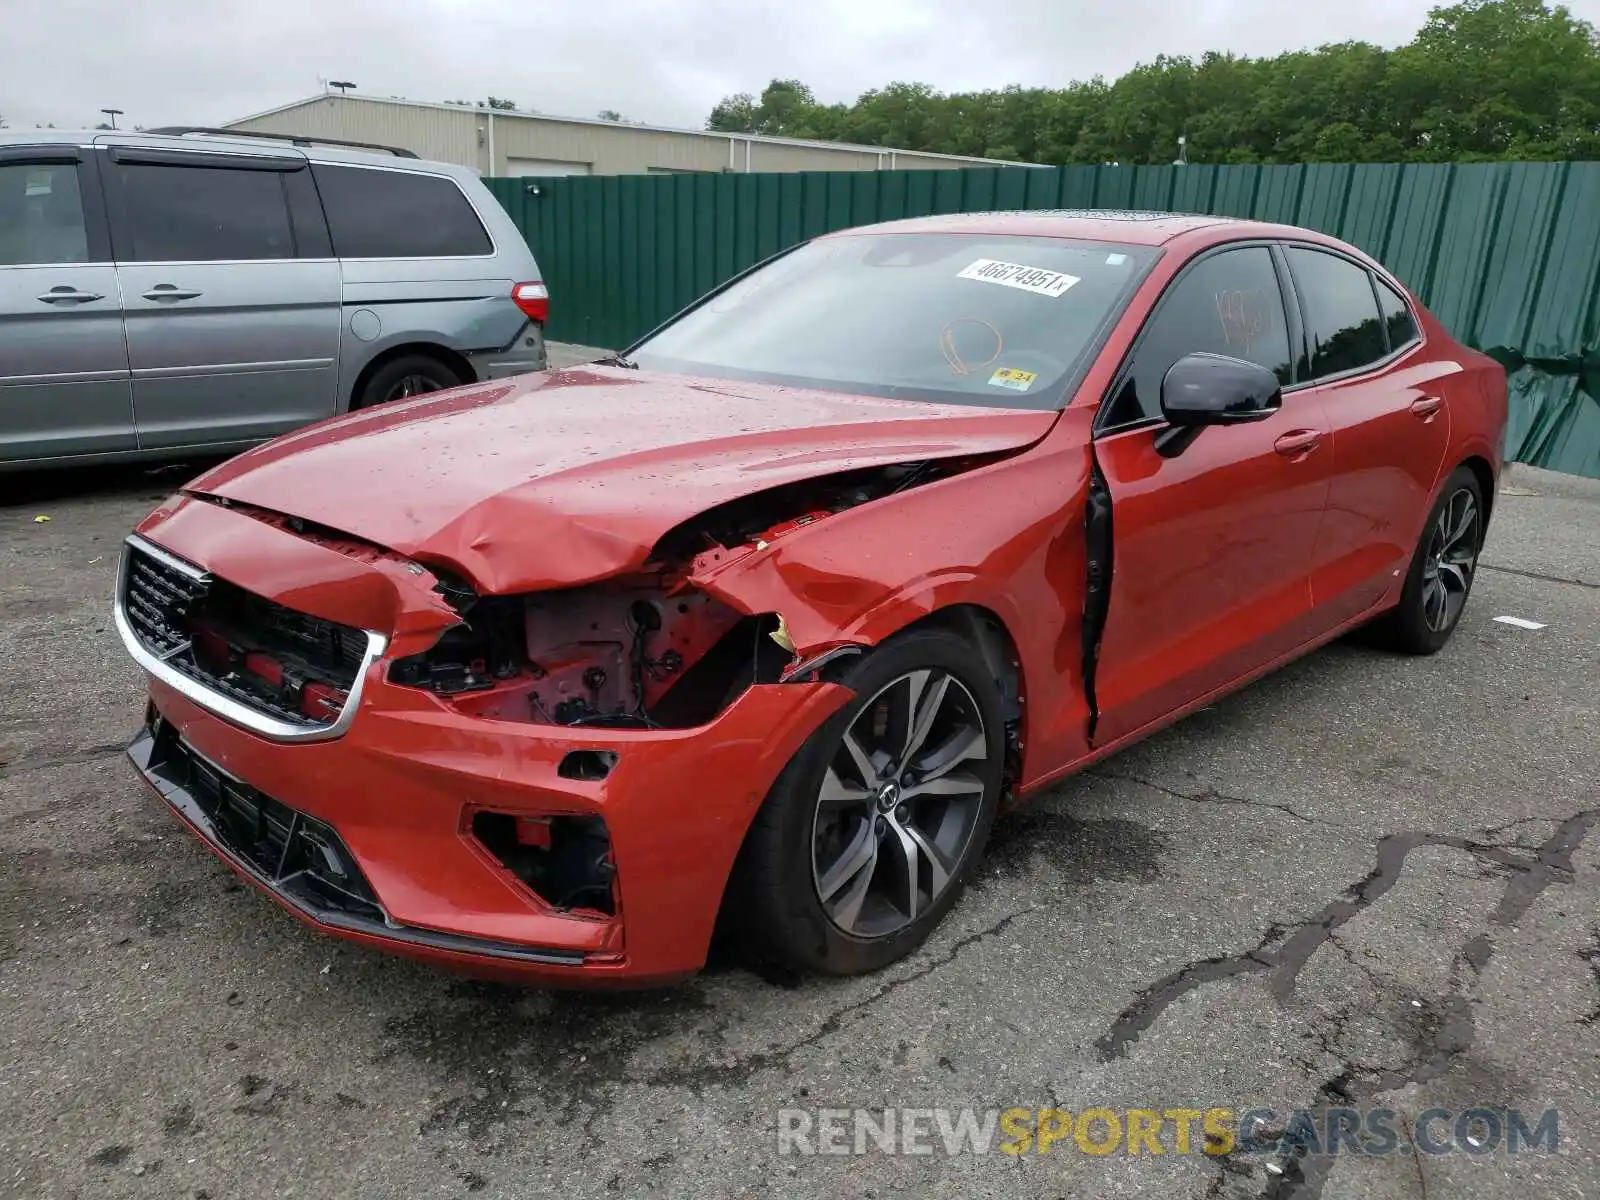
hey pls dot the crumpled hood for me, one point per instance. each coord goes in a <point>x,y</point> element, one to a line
<point>561,479</point>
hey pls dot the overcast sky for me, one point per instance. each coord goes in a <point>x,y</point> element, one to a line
<point>665,62</point>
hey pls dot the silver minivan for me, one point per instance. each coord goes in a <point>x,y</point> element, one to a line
<point>199,291</point>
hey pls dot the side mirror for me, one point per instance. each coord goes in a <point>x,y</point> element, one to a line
<point>1213,389</point>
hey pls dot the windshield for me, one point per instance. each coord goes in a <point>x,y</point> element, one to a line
<point>983,320</point>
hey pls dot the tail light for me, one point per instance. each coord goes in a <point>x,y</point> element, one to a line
<point>533,299</point>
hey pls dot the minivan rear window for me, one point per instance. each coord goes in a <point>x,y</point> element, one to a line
<point>397,214</point>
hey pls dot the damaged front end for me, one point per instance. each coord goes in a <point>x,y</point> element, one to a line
<point>652,649</point>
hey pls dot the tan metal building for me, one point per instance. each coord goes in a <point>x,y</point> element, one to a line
<point>511,143</point>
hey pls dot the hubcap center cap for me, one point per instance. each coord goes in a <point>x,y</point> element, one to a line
<point>888,797</point>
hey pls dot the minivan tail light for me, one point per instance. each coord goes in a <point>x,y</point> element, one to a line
<point>533,299</point>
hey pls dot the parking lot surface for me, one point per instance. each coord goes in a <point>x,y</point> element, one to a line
<point>1365,880</point>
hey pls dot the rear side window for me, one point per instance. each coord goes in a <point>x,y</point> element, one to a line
<point>1228,303</point>
<point>1342,316</point>
<point>203,214</point>
<point>1397,318</point>
<point>396,214</point>
<point>41,215</point>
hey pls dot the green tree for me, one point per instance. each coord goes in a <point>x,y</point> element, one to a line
<point>1482,79</point>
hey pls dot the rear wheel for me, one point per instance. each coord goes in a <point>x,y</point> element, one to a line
<point>872,829</point>
<point>404,377</point>
<point>1442,569</point>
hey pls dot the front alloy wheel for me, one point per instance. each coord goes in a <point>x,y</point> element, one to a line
<point>868,835</point>
<point>899,803</point>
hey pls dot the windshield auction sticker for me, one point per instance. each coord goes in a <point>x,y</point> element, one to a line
<point>1018,275</point>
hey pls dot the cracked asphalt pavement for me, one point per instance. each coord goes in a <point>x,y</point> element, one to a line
<point>1365,880</point>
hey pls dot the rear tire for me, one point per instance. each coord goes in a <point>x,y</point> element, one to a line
<point>1442,571</point>
<point>862,846</point>
<point>404,377</point>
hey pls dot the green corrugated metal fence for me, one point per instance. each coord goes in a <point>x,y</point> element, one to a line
<point>1507,254</point>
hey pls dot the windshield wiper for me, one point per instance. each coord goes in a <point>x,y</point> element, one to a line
<point>616,360</point>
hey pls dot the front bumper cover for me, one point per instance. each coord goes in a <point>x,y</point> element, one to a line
<point>399,787</point>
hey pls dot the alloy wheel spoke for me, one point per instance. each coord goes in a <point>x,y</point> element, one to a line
<point>861,759</point>
<point>1453,576</point>
<point>927,698</point>
<point>908,847</point>
<point>857,859</point>
<point>966,744</point>
<point>847,912</point>
<point>939,869</point>
<point>1433,599</point>
<point>957,783</point>
<point>836,793</point>
<point>1463,523</point>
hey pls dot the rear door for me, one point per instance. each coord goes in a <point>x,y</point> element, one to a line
<point>64,384</point>
<point>1210,549</point>
<point>230,294</point>
<point>1390,428</point>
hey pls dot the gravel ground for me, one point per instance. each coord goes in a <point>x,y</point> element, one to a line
<point>1366,880</point>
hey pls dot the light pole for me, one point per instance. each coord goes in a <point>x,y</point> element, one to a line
<point>1183,152</point>
<point>113,113</point>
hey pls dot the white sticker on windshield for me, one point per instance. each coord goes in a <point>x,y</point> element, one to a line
<point>1016,275</point>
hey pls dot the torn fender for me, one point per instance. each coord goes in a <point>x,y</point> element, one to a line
<point>1007,537</point>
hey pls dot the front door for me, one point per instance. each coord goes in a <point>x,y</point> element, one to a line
<point>1211,549</point>
<point>232,305</point>
<point>64,385</point>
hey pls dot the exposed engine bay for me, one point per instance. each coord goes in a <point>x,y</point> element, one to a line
<point>649,650</point>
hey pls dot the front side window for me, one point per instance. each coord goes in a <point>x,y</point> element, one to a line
<point>203,214</point>
<point>954,318</point>
<point>41,215</point>
<point>1227,303</point>
<point>398,214</point>
<point>1342,319</point>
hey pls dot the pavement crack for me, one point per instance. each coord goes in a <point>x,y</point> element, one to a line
<point>1212,796</point>
<point>701,1074</point>
<point>1592,957</point>
<point>1539,575</point>
<point>23,765</point>
<point>1527,878</point>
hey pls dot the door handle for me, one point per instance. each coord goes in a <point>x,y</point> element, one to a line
<point>68,295</point>
<point>1297,443</point>
<point>170,291</point>
<point>1425,407</point>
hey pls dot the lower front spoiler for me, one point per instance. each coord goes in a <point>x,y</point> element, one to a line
<point>301,863</point>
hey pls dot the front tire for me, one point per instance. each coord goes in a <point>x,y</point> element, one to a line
<point>1442,570</point>
<point>871,831</point>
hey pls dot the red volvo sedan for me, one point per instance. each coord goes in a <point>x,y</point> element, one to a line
<point>763,619</point>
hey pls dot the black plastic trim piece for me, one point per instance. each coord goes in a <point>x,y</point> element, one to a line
<point>1098,550</point>
<point>295,139</point>
<point>141,156</point>
<point>142,752</point>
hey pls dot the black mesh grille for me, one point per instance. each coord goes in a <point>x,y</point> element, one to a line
<point>244,646</point>
<point>295,853</point>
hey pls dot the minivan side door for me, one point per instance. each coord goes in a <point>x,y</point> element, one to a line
<point>230,293</point>
<point>64,384</point>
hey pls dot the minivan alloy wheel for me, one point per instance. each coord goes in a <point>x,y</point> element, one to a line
<point>899,803</point>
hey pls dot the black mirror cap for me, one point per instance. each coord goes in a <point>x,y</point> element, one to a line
<point>1216,389</point>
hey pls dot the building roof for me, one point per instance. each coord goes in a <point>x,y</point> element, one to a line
<point>720,135</point>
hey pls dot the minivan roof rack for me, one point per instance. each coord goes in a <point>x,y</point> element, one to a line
<point>297,139</point>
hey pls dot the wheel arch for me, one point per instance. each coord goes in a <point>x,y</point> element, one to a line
<point>454,359</point>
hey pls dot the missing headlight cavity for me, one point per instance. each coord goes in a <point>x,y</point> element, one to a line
<point>565,860</point>
<point>642,652</point>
